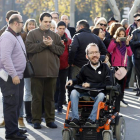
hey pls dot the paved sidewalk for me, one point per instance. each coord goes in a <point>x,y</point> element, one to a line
<point>131,115</point>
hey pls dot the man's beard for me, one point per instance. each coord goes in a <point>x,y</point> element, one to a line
<point>95,63</point>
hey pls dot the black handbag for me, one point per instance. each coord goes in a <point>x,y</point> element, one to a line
<point>29,69</point>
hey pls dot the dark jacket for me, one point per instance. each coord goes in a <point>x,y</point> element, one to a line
<point>107,39</point>
<point>135,43</point>
<point>98,78</point>
<point>3,29</point>
<point>131,28</point>
<point>72,31</point>
<point>45,59</point>
<point>82,38</point>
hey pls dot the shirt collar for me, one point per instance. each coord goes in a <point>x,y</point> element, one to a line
<point>95,67</point>
<point>13,32</point>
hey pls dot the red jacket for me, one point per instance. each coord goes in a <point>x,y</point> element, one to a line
<point>64,57</point>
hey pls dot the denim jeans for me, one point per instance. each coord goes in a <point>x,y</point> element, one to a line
<point>27,87</point>
<point>75,95</point>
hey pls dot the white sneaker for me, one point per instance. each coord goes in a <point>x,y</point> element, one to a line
<point>122,104</point>
<point>139,99</point>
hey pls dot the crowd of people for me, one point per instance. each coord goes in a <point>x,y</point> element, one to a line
<point>59,52</point>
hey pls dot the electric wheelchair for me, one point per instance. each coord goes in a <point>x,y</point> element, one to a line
<point>109,125</point>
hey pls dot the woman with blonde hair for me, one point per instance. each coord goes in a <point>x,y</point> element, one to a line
<point>30,24</point>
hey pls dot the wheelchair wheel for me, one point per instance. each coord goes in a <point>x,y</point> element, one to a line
<point>120,129</point>
<point>66,135</point>
<point>74,134</point>
<point>106,136</point>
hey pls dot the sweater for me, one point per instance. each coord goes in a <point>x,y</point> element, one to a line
<point>12,58</point>
<point>98,78</point>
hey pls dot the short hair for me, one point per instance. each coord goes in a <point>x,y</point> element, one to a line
<point>16,18</point>
<point>124,22</point>
<point>10,13</point>
<point>136,15</point>
<point>27,22</point>
<point>44,14</point>
<point>55,13</point>
<point>65,15</point>
<point>61,23</point>
<point>89,45</point>
<point>54,23</point>
<point>84,23</point>
<point>99,20</point>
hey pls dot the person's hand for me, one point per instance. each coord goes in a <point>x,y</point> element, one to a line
<point>16,80</point>
<point>47,41</point>
<point>85,85</point>
<point>70,82</point>
<point>62,41</point>
<point>128,39</point>
<point>118,40</point>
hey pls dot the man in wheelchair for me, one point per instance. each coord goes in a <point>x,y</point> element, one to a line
<point>95,74</point>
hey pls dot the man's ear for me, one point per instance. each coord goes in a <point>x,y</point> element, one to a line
<point>86,56</point>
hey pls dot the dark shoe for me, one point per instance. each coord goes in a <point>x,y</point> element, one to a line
<point>29,119</point>
<point>22,131</point>
<point>74,122</point>
<point>56,105</point>
<point>65,102</point>
<point>89,122</point>
<point>52,125</point>
<point>138,94</point>
<point>59,110</point>
<point>37,126</point>
<point>16,136</point>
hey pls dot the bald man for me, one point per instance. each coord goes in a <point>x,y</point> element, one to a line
<point>12,63</point>
<point>72,30</point>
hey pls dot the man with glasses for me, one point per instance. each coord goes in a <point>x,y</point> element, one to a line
<point>95,74</point>
<point>12,64</point>
<point>79,43</point>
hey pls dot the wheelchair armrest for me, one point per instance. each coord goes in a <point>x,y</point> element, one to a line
<point>115,88</point>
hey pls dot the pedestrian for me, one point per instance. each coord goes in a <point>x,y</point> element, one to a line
<point>44,48</point>
<point>20,120</point>
<point>12,62</point>
<point>53,26</point>
<point>29,25</point>
<point>63,70</point>
<point>119,51</point>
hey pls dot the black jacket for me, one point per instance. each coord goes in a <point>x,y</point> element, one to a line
<point>107,39</point>
<point>72,31</point>
<point>98,78</point>
<point>82,38</point>
<point>135,43</point>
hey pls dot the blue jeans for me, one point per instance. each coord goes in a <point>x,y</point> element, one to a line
<point>75,95</point>
<point>27,86</point>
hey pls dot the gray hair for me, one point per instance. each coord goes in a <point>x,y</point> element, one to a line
<point>124,21</point>
<point>89,45</point>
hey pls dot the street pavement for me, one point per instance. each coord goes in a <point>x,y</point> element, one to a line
<point>131,115</point>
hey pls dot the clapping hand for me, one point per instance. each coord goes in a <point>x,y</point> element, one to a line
<point>47,41</point>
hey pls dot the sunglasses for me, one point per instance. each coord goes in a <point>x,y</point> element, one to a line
<point>101,24</point>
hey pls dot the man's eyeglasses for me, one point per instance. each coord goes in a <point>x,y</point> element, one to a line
<point>102,24</point>
<point>92,53</point>
<point>55,17</point>
<point>21,22</point>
